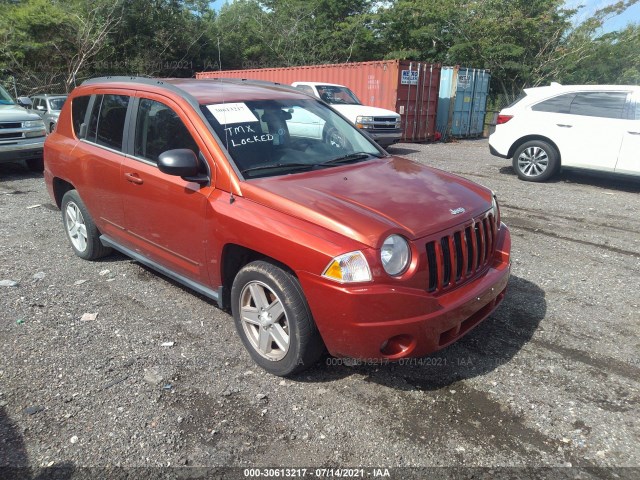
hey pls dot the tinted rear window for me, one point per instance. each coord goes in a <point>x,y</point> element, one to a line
<point>559,104</point>
<point>78,112</point>
<point>599,104</point>
<point>106,125</point>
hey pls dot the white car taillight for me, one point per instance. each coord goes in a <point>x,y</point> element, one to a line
<point>503,119</point>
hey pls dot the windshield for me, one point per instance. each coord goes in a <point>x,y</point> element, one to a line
<point>336,95</point>
<point>5,98</point>
<point>278,137</point>
<point>57,103</point>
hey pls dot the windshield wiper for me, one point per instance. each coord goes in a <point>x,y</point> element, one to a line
<point>351,157</point>
<point>295,166</point>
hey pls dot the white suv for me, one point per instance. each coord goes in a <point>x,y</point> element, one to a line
<point>595,127</point>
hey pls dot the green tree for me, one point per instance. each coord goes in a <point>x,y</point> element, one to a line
<point>515,39</point>
<point>160,38</point>
<point>56,38</point>
<point>300,32</point>
<point>591,57</point>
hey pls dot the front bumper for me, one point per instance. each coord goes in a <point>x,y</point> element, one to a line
<point>21,150</point>
<point>385,137</point>
<point>391,322</point>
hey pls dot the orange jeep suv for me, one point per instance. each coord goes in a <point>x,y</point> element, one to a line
<point>315,242</point>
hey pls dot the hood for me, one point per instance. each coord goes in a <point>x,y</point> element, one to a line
<point>352,111</point>
<point>369,200</point>
<point>15,113</point>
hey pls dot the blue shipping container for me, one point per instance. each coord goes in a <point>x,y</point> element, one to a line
<point>462,102</point>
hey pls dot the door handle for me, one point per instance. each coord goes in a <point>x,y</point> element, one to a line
<point>133,178</point>
<point>633,133</point>
<point>564,125</point>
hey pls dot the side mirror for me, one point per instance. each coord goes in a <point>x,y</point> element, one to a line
<point>41,108</point>
<point>24,101</point>
<point>182,162</point>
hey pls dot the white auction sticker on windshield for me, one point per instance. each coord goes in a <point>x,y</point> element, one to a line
<point>228,113</point>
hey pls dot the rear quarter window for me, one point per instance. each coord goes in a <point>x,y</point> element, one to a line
<point>78,112</point>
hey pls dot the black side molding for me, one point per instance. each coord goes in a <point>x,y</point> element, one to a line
<point>201,289</point>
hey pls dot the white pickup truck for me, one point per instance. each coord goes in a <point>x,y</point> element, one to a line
<point>382,125</point>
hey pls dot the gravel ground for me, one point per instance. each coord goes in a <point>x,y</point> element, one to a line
<point>551,379</point>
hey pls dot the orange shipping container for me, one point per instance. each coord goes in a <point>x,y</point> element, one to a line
<point>406,87</point>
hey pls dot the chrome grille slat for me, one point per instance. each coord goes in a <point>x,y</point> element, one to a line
<point>461,253</point>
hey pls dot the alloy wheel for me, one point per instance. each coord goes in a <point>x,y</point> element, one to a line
<point>76,227</point>
<point>264,321</point>
<point>533,161</point>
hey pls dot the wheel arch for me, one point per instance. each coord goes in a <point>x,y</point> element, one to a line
<point>60,187</point>
<point>234,257</point>
<point>529,138</point>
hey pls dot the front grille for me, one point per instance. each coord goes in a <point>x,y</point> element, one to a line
<point>461,254</point>
<point>11,131</point>
<point>384,123</point>
<point>11,136</point>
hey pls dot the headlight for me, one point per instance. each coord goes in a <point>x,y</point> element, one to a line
<point>348,268</point>
<point>495,210</point>
<point>364,122</point>
<point>398,122</point>
<point>33,124</point>
<point>395,255</point>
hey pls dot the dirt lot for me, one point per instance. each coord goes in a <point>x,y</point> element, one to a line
<point>551,379</point>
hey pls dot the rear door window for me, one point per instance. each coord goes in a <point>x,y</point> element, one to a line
<point>599,104</point>
<point>106,125</point>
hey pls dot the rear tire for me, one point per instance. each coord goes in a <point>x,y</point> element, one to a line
<point>536,161</point>
<point>80,228</point>
<point>273,319</point>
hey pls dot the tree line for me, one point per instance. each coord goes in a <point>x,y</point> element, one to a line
<point>523,42</point>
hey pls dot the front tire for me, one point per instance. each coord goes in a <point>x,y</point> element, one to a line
<point>80,228</point>
<point>273,319</point>
<point>536,161</point>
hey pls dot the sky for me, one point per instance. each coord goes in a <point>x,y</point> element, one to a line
<point>632,15</point>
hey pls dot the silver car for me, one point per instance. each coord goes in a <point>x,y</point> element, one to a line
<point>48,107</point>
<point>22,133</point>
